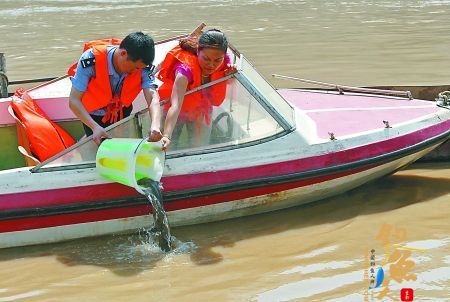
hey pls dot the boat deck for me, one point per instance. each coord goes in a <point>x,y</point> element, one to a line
<point>337,113</point>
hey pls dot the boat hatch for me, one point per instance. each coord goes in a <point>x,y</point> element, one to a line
<point>252,112</point>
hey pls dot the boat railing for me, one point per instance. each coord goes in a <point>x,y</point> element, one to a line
<point>342,88</point>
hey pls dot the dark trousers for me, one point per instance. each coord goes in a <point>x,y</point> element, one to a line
<point>98,120</point>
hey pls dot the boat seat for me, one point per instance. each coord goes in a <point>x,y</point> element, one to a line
<point>22,140</point>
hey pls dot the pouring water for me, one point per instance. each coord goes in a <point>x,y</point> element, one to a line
<point>161,230</point>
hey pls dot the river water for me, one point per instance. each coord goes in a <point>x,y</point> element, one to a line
<point>319,252</point>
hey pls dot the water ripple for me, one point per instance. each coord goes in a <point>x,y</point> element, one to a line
<point>30,294</point>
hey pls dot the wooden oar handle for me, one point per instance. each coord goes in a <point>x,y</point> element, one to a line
<point>198,30</point>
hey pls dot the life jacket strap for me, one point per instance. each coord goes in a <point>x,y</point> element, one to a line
<point>114,112</point>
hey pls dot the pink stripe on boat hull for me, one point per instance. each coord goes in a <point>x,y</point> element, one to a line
<point>65,196</point>
<point>43,221</point>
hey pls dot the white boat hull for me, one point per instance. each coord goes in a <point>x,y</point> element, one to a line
<point>210,213</point>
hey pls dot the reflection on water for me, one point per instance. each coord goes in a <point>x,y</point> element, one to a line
<point>309,253</point>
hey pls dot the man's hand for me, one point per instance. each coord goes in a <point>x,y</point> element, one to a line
<point>154,135</point>
<point>99,134</point>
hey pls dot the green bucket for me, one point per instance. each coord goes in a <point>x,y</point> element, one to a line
<point>127,160</point>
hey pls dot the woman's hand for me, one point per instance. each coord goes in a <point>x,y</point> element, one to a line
<point>165,142</point>
<point>230,69</point>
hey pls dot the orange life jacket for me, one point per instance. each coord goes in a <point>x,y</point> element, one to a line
<point>99,94</point>
<point>108,41</point>
<point>198,104</point>
<point>45,137</point>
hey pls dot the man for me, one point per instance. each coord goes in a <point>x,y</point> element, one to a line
<point>107,80</point>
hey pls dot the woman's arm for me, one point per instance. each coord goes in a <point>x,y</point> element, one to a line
<point>176,101</point>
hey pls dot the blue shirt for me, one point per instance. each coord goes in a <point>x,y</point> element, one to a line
<point>82,76</point>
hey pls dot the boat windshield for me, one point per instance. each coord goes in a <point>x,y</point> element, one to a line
<point>267,93</point>
<point>251,111</point>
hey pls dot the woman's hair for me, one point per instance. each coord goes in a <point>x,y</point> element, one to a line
<point>212,38</point>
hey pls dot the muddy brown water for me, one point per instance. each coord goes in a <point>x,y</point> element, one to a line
<point>311,253</point>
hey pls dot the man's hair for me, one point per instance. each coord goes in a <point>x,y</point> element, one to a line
<point>139,46</point>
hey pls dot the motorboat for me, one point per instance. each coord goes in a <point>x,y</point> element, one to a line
<point>269,149</point>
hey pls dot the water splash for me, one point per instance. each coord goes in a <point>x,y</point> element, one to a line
<point>160,230</point>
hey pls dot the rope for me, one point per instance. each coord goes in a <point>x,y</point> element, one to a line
<point>3,85</point>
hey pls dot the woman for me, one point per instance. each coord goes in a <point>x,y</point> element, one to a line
<point>194,62</point>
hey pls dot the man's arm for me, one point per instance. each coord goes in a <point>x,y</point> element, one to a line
<point>78,109</point>
<point>80,82</point>
<point>152,99</point>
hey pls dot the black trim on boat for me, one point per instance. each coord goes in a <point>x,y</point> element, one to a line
<point>70,208</point>
<point>222,188</point>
